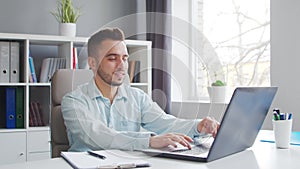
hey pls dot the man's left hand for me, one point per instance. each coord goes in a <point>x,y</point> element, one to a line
<point>208,126</point>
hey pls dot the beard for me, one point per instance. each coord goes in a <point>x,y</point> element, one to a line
<point>108,79</point>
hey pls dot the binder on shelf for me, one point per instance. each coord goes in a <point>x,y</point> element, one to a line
<point>10,107</point>
<point>14,71</point>
<point>19,107</point>
<point>4,62</point>
<point>2,108</point>
<point>32,69</point>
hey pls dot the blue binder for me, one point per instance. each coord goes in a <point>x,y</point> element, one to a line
<point>10,107</point>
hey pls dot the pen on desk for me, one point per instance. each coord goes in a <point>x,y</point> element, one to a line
<point>124,166</point>
<point>96,155</point>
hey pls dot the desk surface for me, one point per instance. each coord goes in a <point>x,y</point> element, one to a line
<point>261,156</point>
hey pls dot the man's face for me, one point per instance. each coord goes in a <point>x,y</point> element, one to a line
<point>112,62</point>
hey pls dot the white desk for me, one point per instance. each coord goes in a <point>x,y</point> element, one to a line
<point>260,156</point>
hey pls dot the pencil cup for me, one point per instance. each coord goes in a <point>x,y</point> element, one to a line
<point>282,132</point>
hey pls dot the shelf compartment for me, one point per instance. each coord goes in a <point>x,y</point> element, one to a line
<point>16,107</point>
<point>39,106</point>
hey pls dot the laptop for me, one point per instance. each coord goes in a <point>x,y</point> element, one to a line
<point>239,127</point>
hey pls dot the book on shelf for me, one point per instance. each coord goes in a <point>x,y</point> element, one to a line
<point>35,115</point>
<point>74,58</point>
<point>49,66</point>
<point>38,109</point>
<point>45,68</point>
<point>134,67</point>
<point>32,70</point>
<point>32,116</point>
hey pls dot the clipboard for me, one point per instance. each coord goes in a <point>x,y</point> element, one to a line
<point>114,159</point>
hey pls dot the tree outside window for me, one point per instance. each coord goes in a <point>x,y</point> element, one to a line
<point>239,31</point>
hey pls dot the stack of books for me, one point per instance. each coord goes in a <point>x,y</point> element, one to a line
<point>49,66</point>
<point>35,115</point>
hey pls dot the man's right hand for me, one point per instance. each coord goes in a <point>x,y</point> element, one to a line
<point>165,140</point>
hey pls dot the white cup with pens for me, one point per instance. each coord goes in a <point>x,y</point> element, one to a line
<point>282,127</point>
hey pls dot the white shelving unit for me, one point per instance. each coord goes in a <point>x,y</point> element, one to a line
<point>33,143</point>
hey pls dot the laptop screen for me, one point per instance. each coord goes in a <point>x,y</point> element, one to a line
<point>242,120</point>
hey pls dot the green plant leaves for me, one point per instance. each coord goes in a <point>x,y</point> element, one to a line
<point>218,83</point>
<point>65,12</point>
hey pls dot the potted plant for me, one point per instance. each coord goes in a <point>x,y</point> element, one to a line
<point>218,91</point>
<point>67,17</point>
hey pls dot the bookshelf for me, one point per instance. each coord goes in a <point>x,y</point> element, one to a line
<point>31,141</point>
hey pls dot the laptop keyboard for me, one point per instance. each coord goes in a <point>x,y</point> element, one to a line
<point>198,149</point>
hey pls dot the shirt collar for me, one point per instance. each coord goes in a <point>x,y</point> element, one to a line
<point>94,92</point>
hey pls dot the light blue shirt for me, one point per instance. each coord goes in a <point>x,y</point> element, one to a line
<point>94,123</point>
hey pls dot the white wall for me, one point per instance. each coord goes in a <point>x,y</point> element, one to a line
<point>181,69</point>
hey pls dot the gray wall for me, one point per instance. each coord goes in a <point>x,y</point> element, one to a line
<point>33,16</point>
<point>285,56</point>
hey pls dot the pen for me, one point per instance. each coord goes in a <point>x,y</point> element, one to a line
<point>275,116</point>
<point>290,116</point>
<point>282,116</point>
<point>117,166</point>
<point>96,155</point>
<point>124,166</point>
<point>277,111</point>
<point>286,116</point>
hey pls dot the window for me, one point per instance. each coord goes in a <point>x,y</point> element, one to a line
<point>227,40</point>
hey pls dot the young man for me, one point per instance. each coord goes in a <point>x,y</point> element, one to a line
<point>107,114</point>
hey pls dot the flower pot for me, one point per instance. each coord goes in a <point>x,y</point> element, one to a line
<point>67,29</point>
<point>218,94</point>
